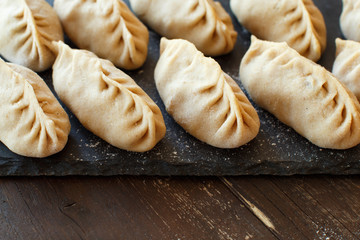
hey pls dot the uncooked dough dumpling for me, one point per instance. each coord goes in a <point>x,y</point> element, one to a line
<point>347,64</point>
<point>297,22</point>
<point>205,23</point>
<point>203,99</point>
<point>106,27</point>
<point>107,101</point>
<point>350,19</point>
<point>27,28</point>
<point>301,94</point>
<point>33,123</point>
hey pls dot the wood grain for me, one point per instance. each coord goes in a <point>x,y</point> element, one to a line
<point>29,211</point>
<point>302,207</point>
<point>333,204</point>
<point>298,207</point>
<point>124,208</point>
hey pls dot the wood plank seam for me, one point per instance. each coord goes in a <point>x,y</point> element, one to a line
<point>252,208</point>
<point>333,218</point>
<point>147,203</point>
<point>30,211</point>
<point>65,214</point>
<point>12,227</point>
<point>329,212</point>
<point>284,214</point>
<point>73,221</point>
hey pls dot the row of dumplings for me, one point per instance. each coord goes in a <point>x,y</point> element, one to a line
<point>105,100</point>
<point>110,30</point>
<point>203,99</point>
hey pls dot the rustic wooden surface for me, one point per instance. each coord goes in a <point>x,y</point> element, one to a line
<point>298,207</point>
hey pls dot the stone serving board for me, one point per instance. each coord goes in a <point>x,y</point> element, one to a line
<point>277,150</point>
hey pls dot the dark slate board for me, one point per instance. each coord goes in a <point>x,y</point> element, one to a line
<point>276,150</point>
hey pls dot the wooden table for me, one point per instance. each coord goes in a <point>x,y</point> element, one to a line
<point>299,207</point>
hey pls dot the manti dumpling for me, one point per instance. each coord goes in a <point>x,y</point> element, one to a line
<point>33,123</point>
<point>301,94</point>
<point>205,23</point>
<point>350,19</point>
<point>347,64</point>
<point>106,27</point>
<point>297,22</point>
<point>107,101</point>
<point>27,28</point>
<point>203,99</point>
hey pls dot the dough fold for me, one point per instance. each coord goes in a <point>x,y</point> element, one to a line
<point>106,101</point>
<point>106,27</point>
<point>203,99</point>
<point>33,123</point>
<point>27,28</point>
<point>297,22</point>
<point>205,23</point>
<point>350,19</point>
<point>301,94</point>
<point>347,64</point>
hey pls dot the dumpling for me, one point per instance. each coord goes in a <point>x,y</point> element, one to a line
<point>350,19</point>
<point>205,23</point>
<point>203,99</point>
<point>301,94</point>
<point>107,101</point>
<point>33,123</point>
<point>106,27</point>
<point>347,64</point>
<point>27,28</point>
<point>297,22</point>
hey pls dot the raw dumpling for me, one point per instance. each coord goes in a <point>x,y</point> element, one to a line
<point>301,94</point>
<point>350,19</point>
<point>297,22</point>
<point>202,22</point>
<point>106,100</point>
<point>347,64</point>
<point>33,123</point>
<point>106,27</point>
<point>203,99</point>
<point>27,28</point>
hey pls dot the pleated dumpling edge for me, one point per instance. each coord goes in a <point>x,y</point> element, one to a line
<point>346,66</point>
<point>301,94</point>
<point>106,100</point>
<point>27,29</point>
<point>350,19</point>
<point>107,28</point>
<point>33,123</point>
<point>203,99</point>
<point>299,23</point>
<point>205,23</point>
